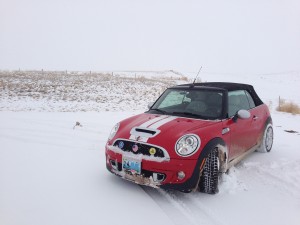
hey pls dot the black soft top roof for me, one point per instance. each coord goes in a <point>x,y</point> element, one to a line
<point>221,85</point>
<point>225,86</point>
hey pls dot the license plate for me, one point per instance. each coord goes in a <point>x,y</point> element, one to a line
<point>131,164</point>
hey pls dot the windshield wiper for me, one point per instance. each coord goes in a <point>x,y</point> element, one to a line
<point>187,114</point>
<point>159,110</point>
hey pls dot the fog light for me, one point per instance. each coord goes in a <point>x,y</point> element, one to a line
<point>180,175</point>
<point>114,164</point>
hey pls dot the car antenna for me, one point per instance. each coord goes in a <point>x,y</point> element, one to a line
<point>196,76</point>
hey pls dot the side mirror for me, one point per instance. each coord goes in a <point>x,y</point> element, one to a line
<point>241,114</point>
<point>150,104</point>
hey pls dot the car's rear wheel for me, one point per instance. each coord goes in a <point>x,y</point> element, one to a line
<point>267,140</point>
<point>209,179</point>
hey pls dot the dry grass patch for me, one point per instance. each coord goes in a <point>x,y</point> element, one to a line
<point>288,107</point>
<point>77,91</point>
<point>184,78</point>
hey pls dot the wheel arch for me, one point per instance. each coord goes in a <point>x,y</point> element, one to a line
<point>268,121</point>
<point>192,182</point>
<point>221,145</point>
<point>260,145</point>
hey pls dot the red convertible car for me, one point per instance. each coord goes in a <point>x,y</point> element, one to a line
<point>190,136</point>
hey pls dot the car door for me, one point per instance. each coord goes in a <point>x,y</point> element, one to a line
<point>258,116</point>
<point>241,131</point>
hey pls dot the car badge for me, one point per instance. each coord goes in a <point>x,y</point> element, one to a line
<point>152,151</point>
<point>135,148</point>
<point>121,145</point>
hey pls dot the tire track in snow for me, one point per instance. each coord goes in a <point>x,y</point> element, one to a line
<point>201,210</point>
<point>182,208</point>
<point>175,210</point>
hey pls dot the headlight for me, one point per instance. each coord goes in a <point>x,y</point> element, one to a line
<point>114,131</point>
<point>187,145</point>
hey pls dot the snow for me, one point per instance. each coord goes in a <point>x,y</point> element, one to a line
<point>53,174</point>
<point>74,91</point>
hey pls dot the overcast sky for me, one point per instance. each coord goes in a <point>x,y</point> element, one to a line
<point>228,36</point>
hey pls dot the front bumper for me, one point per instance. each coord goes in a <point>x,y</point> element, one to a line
<point>158,173</point>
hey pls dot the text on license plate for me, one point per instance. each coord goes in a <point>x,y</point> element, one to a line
<point>131,164</point>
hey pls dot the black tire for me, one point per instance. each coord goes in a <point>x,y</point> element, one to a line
<point>187,191</point>
<point>209,179</point>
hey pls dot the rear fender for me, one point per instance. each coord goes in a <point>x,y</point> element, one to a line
<point>268,120</point>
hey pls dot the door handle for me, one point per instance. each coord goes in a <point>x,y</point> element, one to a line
<point>255,118</point>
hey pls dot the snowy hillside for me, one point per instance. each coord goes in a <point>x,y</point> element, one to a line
<point>78,91</point>
<point>53,172</point>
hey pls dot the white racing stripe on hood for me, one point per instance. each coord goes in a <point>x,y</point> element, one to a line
<point>145,125</point>
<point>162,122</point>
<point>152,121</point>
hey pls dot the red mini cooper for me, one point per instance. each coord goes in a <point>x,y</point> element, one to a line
<point>190,136</point>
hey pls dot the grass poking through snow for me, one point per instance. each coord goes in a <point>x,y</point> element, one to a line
<point>288,107</point>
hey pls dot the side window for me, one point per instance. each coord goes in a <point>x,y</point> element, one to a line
<point>250,99</point>
<point>173,98</point>
<point>237,100</point>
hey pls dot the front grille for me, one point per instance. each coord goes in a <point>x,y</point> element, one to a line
<point>138,148</point>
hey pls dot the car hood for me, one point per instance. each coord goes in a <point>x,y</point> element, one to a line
<point>161,130</point>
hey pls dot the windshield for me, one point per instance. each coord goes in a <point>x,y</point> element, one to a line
<point>196,103</point>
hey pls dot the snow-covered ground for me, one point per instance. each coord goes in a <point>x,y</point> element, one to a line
<point>53,174</point>
<point>63,91</point>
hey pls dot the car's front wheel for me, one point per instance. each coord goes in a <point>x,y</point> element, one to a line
<point>267,140</point>
<point>209,179</point>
